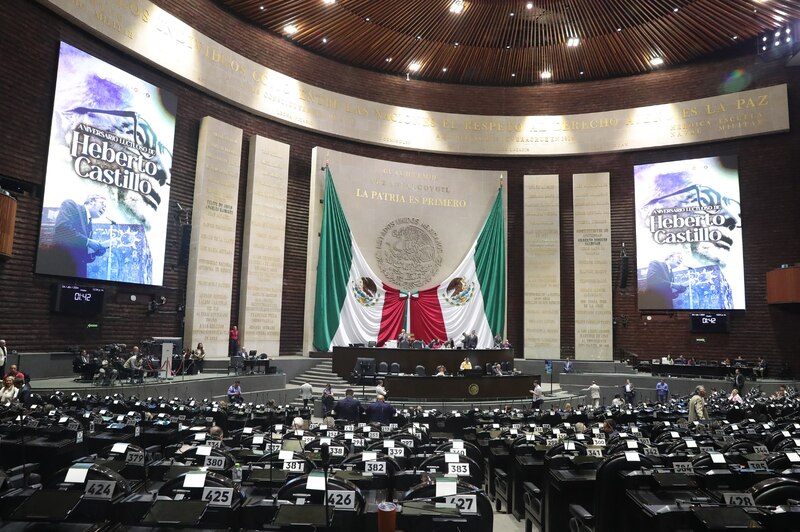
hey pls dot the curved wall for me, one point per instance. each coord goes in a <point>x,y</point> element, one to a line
<point>767,171</point>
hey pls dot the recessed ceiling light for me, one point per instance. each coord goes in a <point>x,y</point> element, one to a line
<point>735,37</point>
<point>511,14</point>
<point>457,7</point>
<point>419,37</point>
<point>675,10</point>
<point>546,74</point>
<point>444,69</point>
<point>513,74</point>
<point>329,1</point>
<point>388,59</point>
<point>573,41</point>
<point>508,46</point>
<point>581,72</point>
<point>619,29</point>
<point>366,19</point>
<point>656,61</point>
<point>324,40</point>
<point>262,8</point>
<point>414,67</point>
<point>529,5</point>
<point>456,44</point>
<point>291,29</point>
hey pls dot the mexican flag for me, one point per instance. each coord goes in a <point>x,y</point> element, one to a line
<point>473,297</point>
<point>353,306</point>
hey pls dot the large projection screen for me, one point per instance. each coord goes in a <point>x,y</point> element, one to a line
<point>689,235</point>
<point>106,197</point>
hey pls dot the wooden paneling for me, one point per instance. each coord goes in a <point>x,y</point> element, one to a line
<point>8,218</point>
<point>783,285</point>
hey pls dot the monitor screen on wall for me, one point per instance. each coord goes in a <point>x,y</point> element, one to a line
<point>106,197</point>
<point>689,235</point>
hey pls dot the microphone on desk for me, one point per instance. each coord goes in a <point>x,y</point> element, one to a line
<point>325,455</point>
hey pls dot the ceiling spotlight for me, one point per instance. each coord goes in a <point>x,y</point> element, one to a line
<point>366,19</point>
<point>329,1</point>
<point>581,72</point>
<point>675,10</point>
<point>291,29</point>
<point>763,48</point>
<point>324,40</point>
<point>508,46</point>
<point>788,30</point>
<point>656,61</point>
<point>414,67</point>
<point>573,41</point>
<point>513,74</point>
<point>735,37</point>
<point>419,37</point>
<point>457,7</point>
<point>262,8</point>
<point>388,59</point>
<point>777,34</point>
<point>546,74</point>
<point>619,29</point>
<point>511,14</point>
<point>444,69</point>
<point>455,44</point>
<point>529,5</point>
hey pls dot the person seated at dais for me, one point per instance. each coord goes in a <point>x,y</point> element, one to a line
<point>465,364</point>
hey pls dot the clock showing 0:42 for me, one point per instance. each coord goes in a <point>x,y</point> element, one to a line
<point>77,301</point>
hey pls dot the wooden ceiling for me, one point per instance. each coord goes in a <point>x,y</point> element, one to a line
<point>506,42</point>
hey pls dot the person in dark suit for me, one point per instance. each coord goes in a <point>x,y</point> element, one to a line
<point>380,411</point>
<point>348,408</point>
<point>661,288</point>
<point>738,380</point>
<point>73,242</point>
<point>472,340</point>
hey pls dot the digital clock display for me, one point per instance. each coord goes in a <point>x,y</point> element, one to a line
<point>78,301</point>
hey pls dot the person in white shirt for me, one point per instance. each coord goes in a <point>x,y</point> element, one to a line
<point>3,356</point>
<point>134,365</point>
<point>734,397</point>
<point>306,393</point>
<point>594,394</point>
<point>617,401</point>
<point>629,391</point>
<point>538,395</point>
<point>8,393</point>
<point>380,390</point>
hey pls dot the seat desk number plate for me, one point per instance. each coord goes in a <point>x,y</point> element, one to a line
<point>466,504</point>
<point>293,465</point>
<point>376,467</point>
<point>99,489</point>
<point>342,500</point>
<point>214,462</point>
<point>738,499</point>
<point>215,496</point>
<point>462,470</point>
